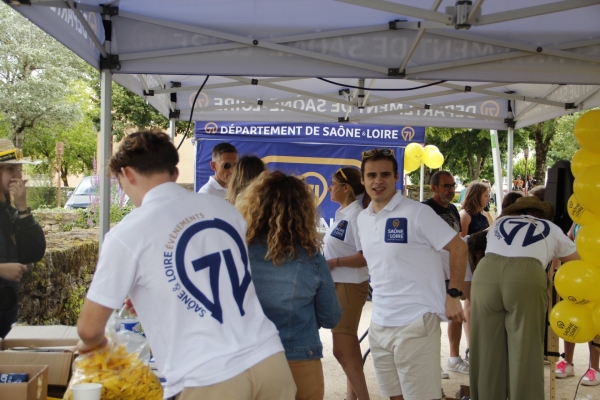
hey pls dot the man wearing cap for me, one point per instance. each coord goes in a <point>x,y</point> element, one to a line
<point>224,158</point>
<point>510,300</point>
<point>401,240</point>
<point>22,239</point>
<point>442,186</point>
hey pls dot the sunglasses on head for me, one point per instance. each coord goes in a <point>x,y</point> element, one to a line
<point>372,152</point>
<point>341,172</point>
<point>228,165</point>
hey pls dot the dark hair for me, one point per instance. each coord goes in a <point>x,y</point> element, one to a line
<point>510,198</point>
<point>246,169</point>
<point>435,178</point>
<point>534,212</point>
<point>222,148</point>
<point>377,157</point>
<point>147,152</point>
<point>476,244</point>
<point>538,191</point>
<point>351,177</point>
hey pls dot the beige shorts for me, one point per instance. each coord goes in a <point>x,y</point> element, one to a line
<point>352,298</point>
<point>270,379</point>
<point>407,359</point>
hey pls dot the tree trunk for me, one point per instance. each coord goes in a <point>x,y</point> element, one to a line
<point>542,138</point>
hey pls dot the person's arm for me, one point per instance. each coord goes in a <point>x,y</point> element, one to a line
<point>354,261</point>
<point>465,220</point>
<point>489,217</point>
<point>12,271</point>
<point>91,325</point>
<point>327,306</point>
<point>570,257</point>
<point>458,252</point>
<point>30,239</point>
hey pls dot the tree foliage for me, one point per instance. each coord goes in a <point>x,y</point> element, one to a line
<point>36,73</point>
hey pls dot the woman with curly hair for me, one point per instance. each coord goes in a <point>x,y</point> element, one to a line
<point>246,169</point>
<point>292,279</point>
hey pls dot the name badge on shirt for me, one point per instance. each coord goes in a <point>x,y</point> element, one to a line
<point>396,230</point>
<point>339,232</point>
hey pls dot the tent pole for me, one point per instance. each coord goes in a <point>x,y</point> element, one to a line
<point>421,181</point>
<point>105,148</point>
<point>509,157</point>
<point>172,129</point>
<point>497,170</point>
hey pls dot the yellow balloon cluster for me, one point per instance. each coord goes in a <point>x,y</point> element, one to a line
<point>577,318</point>
<point>429,155</point>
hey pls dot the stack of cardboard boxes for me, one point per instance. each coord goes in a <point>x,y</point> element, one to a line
<point>45,353</point>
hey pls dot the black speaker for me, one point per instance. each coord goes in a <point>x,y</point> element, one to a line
<point>558,190</point>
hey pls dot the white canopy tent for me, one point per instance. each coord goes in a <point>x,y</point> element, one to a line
<point>482,64</point>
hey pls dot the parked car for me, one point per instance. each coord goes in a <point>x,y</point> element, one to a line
<point>87,190</point>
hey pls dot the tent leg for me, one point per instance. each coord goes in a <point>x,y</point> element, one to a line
<point>421,180</point>
<point>509,157</point>
<point>497,171</point>
<point>172,130</point>
<point>105,151</point>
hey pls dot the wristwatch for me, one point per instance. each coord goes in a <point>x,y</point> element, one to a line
<point>454,293</point>
<point>24,212</point>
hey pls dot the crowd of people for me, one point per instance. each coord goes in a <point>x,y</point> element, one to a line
<point>233,284</point>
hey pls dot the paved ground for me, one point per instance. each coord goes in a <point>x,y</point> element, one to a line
<point>335,380</point>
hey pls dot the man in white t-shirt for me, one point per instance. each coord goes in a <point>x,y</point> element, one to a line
<point>224,158</point>
<point>401,240</point>
<point>183,261</point>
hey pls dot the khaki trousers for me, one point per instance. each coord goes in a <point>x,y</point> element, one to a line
<point>508,315</point>
<point>308,375</point>
<point>270,379</point>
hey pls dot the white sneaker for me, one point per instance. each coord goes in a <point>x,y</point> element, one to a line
<point>564,369</point>
<point>445,374</point>
<point>591,378</point>
<point>460,366</point>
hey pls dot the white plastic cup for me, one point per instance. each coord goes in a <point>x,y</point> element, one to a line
<point>86,391</point>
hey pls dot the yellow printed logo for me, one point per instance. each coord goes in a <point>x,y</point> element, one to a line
<point>408,133</point>
<point>321,187</point>
<point>211,128</point>
<point>341,224</point>
<point>396,223</point>
<point>490,108</point>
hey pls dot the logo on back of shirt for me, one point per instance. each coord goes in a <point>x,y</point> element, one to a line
<point>339,232</point>
<point>537,229</point>
<point>200,273</point>
<point>396,230</point>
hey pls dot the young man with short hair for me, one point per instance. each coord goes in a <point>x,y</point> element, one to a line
<point>224,158</point>
<point>401,240</point>
<point>183,261</point>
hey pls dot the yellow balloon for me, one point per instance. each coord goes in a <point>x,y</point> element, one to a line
<point>410,164</point>
<point>572,323</point>
<point>578,282</point>
<point>582,159</point>
<point>596,318</point>
<point>429,148</point>
<point>580,215</point>
<point>413,151</point>
<point>588,244</point>
<point>433,159</point>
<point>587,188</point>
<point>587,129</point>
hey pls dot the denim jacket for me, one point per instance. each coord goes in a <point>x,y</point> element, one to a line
<point>298,297</point>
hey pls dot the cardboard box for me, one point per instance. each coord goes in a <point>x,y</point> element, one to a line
<point>464,391</point>
<point>36,387</point>
<point>53,346</point>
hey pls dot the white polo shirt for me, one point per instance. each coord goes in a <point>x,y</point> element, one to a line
<point>183,260</point>
<point>214,188</point>
<point>526,236</point>
<point>341,240</point>
<point>402,244</point>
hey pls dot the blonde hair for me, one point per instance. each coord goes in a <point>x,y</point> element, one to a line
<point>472,202</point>
<point>282,208</point>
<point>246,169</point>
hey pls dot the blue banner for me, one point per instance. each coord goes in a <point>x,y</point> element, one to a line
<point>295,149</point>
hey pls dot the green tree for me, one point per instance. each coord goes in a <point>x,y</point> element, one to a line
<point>563,145</point>
<point>519,168</point>
<point>36,73</point>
